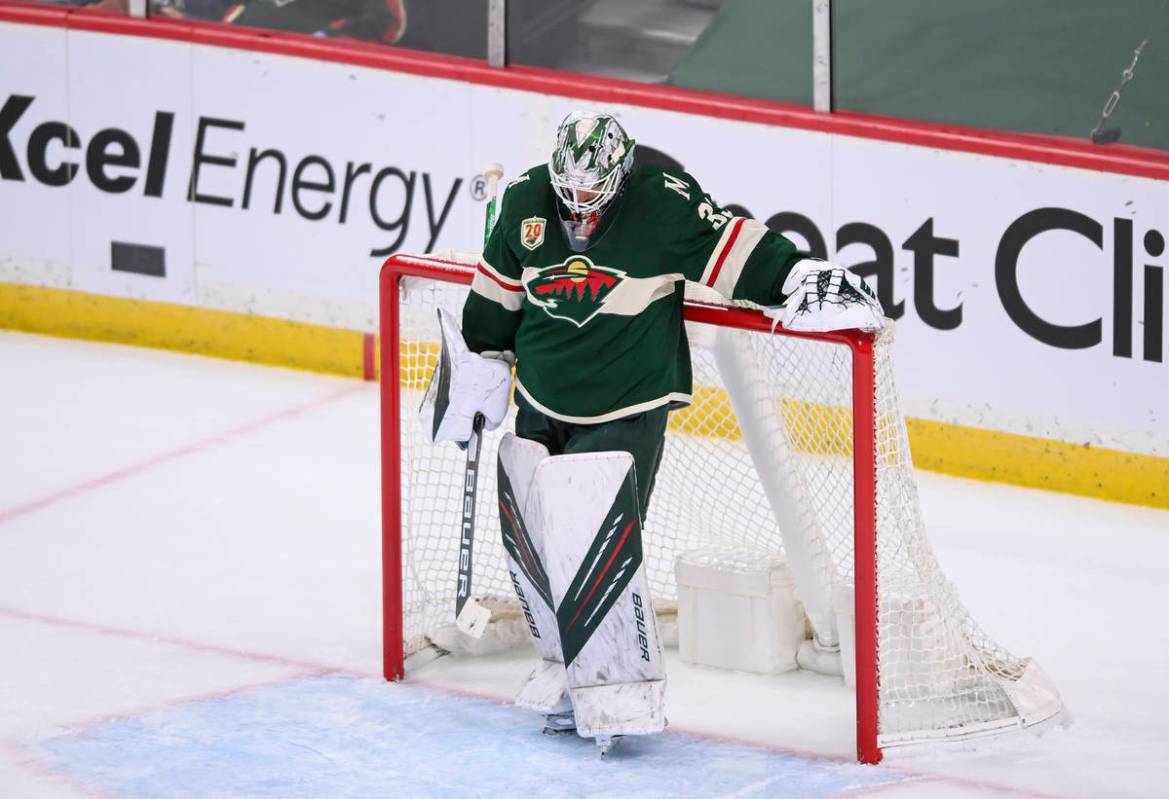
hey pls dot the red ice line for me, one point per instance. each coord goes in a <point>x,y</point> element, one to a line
<point>20,755</point>
<point>912,776</point>
<point>310,666</point>
<point>136,469</point>
<point>184,643</point>
<point>318,668</point>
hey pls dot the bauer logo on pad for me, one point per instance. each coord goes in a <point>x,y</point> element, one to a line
<point>532,232</point>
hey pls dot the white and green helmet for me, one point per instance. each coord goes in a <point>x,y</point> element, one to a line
<point>592,158</point>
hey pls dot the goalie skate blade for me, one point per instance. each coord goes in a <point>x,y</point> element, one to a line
<point>606,744</point>
<point>473,619</point>
<point>560,724</point>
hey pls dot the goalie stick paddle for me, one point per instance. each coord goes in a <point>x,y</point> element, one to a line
<point>471,617</point>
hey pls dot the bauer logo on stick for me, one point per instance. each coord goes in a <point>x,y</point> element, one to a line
<point>532,232</point>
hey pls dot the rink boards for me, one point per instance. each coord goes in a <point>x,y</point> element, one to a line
<point>269,179</point>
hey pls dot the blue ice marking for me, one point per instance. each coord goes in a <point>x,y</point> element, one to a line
<point>339,737</point>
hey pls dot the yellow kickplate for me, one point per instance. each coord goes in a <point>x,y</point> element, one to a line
<point>143,323</point>
<point>936,446</point>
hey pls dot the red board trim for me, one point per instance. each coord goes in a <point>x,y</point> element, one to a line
<point>1060,151</point>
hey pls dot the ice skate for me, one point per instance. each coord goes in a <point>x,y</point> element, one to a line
<point>606,744</point>
<point>560,723</point>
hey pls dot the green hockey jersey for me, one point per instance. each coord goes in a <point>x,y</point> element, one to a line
<point>598,335</point>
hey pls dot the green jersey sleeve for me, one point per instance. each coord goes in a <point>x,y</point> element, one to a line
<point>491,314</point>
<point>736,256</point>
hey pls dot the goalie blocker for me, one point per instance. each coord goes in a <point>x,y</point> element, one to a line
<point>463,385</point>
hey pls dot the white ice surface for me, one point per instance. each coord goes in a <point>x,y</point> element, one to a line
<point>176,530</point>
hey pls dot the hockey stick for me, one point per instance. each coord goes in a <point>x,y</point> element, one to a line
<point>492,173</point>
<point>470,616</point>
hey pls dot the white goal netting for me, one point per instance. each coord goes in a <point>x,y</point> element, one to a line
<point>762,461</point>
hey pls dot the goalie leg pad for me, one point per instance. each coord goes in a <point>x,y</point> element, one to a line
<point>524,542</point>
<point>632,708</point>
<point>587,505</point>
<point>545,689</point>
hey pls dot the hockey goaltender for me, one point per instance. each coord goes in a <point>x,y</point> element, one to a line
<point>581,286</point>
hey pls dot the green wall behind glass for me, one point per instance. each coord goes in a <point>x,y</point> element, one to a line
<point>1035,66</point>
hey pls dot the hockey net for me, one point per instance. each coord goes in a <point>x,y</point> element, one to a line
<point>794,444</point>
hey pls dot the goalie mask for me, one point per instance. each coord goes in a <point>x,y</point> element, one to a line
<point>588,170</point>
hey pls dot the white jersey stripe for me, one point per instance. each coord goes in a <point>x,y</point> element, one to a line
<point>605,417</point>
<point>491,289</point>
<point>730,256</point>
<point>493,273</point>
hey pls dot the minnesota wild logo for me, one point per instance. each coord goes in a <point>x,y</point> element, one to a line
<point>574,290</point>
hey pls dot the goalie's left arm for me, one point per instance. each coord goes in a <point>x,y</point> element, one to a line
<point>741,259</point>
<point>820,296</point>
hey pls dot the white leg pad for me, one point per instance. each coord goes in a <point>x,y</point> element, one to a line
<point>635,708</point>
<point>545,689</point>
<point>587,506</point>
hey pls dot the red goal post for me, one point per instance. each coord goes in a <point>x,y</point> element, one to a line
<point>864,443</point>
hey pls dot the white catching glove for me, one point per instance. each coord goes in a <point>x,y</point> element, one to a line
<point>822,296</point>
<point>464,384</point>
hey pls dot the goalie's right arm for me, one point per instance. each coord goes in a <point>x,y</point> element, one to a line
<point>491,314</point>
<point>463,385</point>
<point>474,372</point>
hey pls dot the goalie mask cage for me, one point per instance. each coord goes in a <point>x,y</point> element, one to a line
<point>793,444</point>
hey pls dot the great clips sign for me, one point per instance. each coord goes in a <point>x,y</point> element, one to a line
<point>1121,312</point>
<point>906,265</point>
